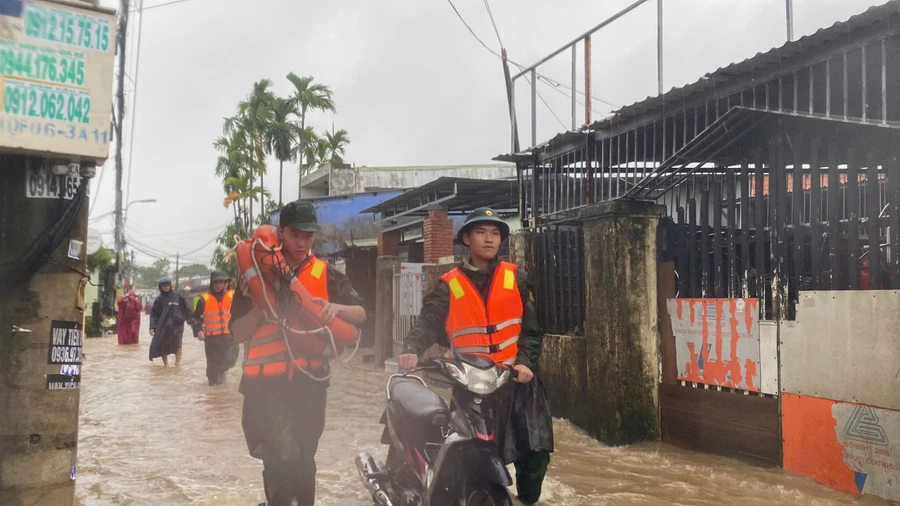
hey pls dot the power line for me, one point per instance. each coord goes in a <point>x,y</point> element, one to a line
<point>548,105</point>
<point>491,15</point>
<point>471,31</point>
<point>134,97</point>
<point>519,66</point>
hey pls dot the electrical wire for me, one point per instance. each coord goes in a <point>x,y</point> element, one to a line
<point>471,31</point>
<point>517,65</point>
<point>134,97</point>
<point>491,15</point>
<point>548,105</point>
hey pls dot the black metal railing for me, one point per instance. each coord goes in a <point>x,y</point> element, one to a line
<point>559,279</point>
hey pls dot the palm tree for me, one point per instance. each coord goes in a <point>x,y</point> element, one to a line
<point>282,138</point>
<point>308,96</point>
<point>337,145</point>
<point>254,121</point>
<point>316,153</point>
<point>233,163</point>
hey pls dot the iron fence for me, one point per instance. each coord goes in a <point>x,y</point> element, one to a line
<point>559,279</point>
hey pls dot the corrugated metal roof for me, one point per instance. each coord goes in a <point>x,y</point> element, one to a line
<point>470,193</point>
<point>722,75</point>
<point>774,56</point>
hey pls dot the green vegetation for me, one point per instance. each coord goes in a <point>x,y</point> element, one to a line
<point>265,125</point>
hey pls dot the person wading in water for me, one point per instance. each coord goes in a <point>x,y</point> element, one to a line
<point>170,312</point>
<point>486,306</point>
<point>210,325</point>
<point>284,408</point>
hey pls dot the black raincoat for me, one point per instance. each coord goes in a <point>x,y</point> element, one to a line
<point>167,318</point>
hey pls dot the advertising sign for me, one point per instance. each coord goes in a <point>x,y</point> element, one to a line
<point>717,341</point>
<point>848,446</point>
<point>56,68</point>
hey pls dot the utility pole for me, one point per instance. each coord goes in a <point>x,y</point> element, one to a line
<point>177,255</point>
<point>44,207</point>
<point>789,13</point>
<point>119,124</point>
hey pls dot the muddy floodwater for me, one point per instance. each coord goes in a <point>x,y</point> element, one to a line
<point>160,436</point>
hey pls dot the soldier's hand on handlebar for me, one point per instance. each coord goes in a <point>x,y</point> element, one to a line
<point>525,374</point>
<point>407,361</point>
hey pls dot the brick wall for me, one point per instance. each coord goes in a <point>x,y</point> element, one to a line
<point>387,243</point>
<point>437,235</point>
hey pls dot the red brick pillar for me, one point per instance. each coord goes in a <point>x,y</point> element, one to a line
<point>387,243</point>
<point>437,235</point>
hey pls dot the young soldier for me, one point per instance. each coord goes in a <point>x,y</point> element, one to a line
<point>210,325</point>
<point>487,307</point>
<point>284,409</point>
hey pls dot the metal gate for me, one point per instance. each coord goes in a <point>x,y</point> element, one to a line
<point>407,303</point>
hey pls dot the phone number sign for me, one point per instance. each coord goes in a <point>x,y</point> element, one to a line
<point>56,78</point>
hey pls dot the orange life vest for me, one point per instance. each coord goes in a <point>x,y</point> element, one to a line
<point>267,353</point>
<point>489,327</point>
<point>216,315</point>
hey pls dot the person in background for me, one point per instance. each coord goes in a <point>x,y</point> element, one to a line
<point>129,319</point>
<point>284,413</point>
<point>210,325</point>
<point>167,318</point>
<point>486,306</point>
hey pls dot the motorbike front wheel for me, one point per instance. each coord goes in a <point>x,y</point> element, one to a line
<point>486,494</point>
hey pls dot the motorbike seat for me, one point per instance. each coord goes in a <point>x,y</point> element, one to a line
<point>412,400</point>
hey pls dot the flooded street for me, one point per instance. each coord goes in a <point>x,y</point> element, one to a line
<point>160,436</point>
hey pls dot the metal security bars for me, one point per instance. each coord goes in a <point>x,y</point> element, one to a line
<point>804,211</point>
<point>847,73</point>
<point>559,260</point>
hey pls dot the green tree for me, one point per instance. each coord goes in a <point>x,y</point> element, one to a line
<point>336,143</point>
<point>192,270</point>
<point>315,151</point>
<point>149,276</point>
<point>233,164</point>
<point>253,123</point>
<point>308,96</point>
<point>101,260</point>
<point>223,256</point>
<point>283,136</point>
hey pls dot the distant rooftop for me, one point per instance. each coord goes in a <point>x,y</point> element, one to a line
<point>437,167</point>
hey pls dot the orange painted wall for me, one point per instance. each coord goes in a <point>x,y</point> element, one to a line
<point>811,447</point>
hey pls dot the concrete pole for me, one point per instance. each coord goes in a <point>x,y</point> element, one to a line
<point>38,426</point>
<point>789,14</point>
<point>119,126</point>
<point>385,267</point>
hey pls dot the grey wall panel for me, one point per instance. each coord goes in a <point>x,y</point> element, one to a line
<point>845,346</point>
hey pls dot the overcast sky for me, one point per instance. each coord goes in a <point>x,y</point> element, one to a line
<point>411,84</point>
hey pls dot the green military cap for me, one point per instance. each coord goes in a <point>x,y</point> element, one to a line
<point>483,215</point>
<point>300,215</point>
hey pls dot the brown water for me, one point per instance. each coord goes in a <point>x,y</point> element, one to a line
<point>160,436</point>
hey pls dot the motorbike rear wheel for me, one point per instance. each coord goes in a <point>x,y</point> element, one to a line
<point>486,494</point>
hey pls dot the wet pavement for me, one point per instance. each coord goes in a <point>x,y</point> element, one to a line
<point>152,435</point>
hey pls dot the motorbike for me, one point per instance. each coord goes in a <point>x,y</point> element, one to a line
<point>440,456</point>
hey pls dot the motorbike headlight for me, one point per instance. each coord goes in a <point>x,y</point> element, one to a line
<point>456,373</point>
<point>481,381</point>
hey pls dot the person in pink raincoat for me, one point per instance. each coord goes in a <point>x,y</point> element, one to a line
<point>129,319</point>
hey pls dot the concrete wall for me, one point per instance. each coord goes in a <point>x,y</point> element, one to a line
<point>342,180</point>
<point>563,369</point>
<point>840,370</point>
<point>621,321</point>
